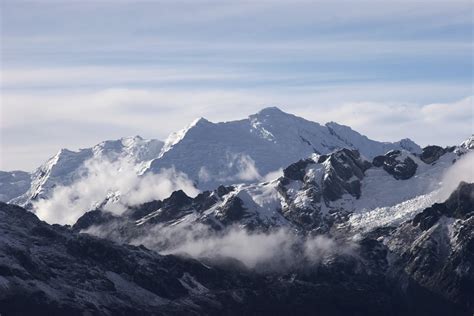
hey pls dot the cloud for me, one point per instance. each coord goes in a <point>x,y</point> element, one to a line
<point>152,67</point>
<point>436,124</point>
<point>462,170</point>
<point>241,167</point>
<point>279,249</point>
<point>117,181</point>
<point>96,76</point>
<point>247,171</point>
<point>83,118</point>
<point>273,175</point>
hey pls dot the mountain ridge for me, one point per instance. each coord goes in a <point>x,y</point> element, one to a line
<point>264,142</point>
<point>218,153</point>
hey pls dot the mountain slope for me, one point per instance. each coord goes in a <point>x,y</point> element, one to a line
<point>440,255</point>
<point>319,194</point>
<point>244,151</point>
<point>13,184</point>
<point>210,154</point>
<point>49,270</point>
<point>68,166</point>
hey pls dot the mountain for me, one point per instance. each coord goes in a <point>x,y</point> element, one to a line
<point>347,226</point>
<point>425,267</point>
<point>319,194</point>
<point>392,208</point>
<point>68,166</point>
<point>468,143</point>
<point>13,184</point>
<point>209,153</point>
<point>246,150</point>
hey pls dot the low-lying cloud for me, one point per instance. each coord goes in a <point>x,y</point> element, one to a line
<point>117,181</point>
<point>279,249</point>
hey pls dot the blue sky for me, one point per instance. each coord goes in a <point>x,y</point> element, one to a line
<point>78,72</point>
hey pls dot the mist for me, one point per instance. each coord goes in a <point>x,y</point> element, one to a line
<point>276,250</point>
<point>117,182</point>
<point>462,170</point>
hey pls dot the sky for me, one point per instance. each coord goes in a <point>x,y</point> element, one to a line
<point>74,73</point>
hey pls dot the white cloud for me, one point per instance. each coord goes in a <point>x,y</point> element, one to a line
<point>441,123</point>
<point>246,166</point>
<point>116,180</point>
<point>273,175</point>
<point>462,170</point>
<point>83,118</point>
<point>263,251</point>
<point>112,75</point>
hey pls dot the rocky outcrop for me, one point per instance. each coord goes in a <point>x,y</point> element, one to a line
<point>232,211</point>
<point>401,167</point>
<point>436,248</point>
<point>432,153</point>
<point>93,218</point>
<point>344,171</point>
<point>459,205</point>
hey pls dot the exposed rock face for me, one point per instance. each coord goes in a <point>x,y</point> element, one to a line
<point>432,153</point>
<point>297,171</point>
<point>459,205</point>
<point>139,211</point>
<point>232,211</point>
<point>91,218</point>
<point>468,143</point>
<point>322,180</point>
<point>396,164</point>
<point>436,249</point>
<point>344,172</point>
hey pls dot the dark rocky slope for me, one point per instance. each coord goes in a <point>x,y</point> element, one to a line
<point>52,270</point>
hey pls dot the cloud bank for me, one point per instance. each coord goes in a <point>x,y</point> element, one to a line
<point>279,249</point>
<point>116,181</point>
<point>79,119</point>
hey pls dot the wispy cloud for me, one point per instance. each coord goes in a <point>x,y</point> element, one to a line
<point>269,251</point>
<point>75,73</point>
<point>83,118</point>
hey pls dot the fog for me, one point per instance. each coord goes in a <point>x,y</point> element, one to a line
<point>116,181</point>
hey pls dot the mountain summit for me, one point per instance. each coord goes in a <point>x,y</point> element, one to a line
<point>210,154</point>
<point>247,150</point>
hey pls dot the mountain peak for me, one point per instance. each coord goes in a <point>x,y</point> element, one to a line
<point>176,137</point>
<point>131,138</point>
<point>468,143</point>
<point>200,120</point>
<point>272,110</point>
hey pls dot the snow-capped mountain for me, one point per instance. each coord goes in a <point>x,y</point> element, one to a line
<point>403,235</point>
<point>468,143</point>
<point>68,166</point>
<point>347,220</point>
<point>321,193</point>
<point>246,150</point>
<point>209,153</point>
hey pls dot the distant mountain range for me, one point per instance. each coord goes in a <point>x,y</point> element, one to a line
<point>209,153</point>
<point>292,217</point>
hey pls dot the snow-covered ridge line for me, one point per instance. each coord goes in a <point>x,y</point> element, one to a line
<point>217,153</point>
<point>68,166</point>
